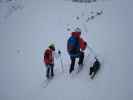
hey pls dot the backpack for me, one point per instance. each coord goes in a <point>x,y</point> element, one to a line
<point>73,45</point>
<point>83,44</point>
<point>48,56</point>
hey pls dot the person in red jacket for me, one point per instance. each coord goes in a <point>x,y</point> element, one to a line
<point>49,61</point>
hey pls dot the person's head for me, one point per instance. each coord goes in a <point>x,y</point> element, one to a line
<point>78,31</point>
<point>52,47</point>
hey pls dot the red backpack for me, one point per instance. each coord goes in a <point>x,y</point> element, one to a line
<point>48,56</point>
<point>82,44</point>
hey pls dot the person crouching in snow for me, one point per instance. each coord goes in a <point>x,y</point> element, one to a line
<point>75,47</point>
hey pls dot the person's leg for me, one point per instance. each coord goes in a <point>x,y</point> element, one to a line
<point>91,70</point>
<point>52,70</point>
<point>72,64</point>
<point>81,58</point>
<point>47,71</point>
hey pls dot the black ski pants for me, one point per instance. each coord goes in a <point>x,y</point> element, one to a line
<point>49,70</point>
<point>73,58</point>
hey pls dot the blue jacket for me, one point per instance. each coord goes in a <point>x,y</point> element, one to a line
<point>73,46</point>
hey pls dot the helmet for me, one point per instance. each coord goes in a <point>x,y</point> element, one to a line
<point>77,30</point>
<point>52,46</point>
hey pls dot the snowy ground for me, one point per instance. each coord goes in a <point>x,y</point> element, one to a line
<point>27,31</point>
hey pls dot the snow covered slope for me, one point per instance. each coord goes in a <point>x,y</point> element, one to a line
<point>25,33</point>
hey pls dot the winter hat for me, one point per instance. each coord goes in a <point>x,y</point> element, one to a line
<point>77,30</point>
<point>52,46</point>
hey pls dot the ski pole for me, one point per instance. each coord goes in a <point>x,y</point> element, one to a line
<point>86,30</point>
<point>91,50</point>
<point>59,52</point>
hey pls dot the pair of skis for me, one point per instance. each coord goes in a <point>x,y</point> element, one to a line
<point>46,82</point>
<point>95,69</point>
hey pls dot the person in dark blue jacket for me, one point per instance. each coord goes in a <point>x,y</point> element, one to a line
<point>74,49</point>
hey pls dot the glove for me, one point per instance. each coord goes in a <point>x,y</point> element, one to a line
<point>59,52</point>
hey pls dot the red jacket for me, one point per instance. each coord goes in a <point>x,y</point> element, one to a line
<point>82,44</point>
<point>48,56</point>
